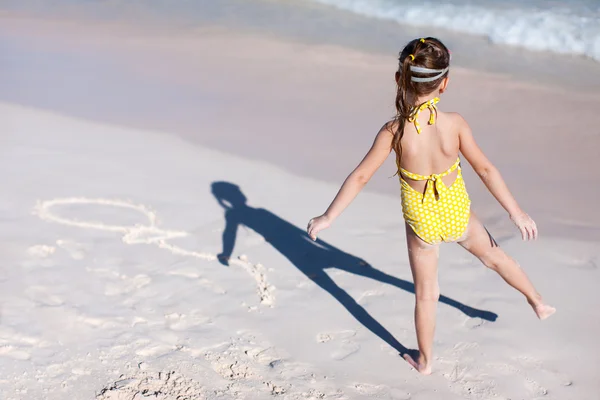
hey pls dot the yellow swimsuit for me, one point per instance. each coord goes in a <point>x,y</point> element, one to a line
<point>441,213</point>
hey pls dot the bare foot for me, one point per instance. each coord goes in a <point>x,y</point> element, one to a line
<point>543,311</point>
<point>420,367</point>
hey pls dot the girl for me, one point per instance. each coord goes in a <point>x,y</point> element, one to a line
<point>435,203</point>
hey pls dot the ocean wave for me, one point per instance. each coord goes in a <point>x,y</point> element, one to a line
<point>556,29</point>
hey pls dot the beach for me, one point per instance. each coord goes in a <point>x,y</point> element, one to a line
<point>130,147</point>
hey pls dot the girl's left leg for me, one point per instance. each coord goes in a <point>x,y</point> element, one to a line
<point>481,244</point>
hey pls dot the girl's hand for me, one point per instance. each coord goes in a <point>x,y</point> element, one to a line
<point>526,225</point>
<point>316,225</point>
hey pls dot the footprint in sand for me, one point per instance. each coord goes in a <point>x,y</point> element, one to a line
<point>476,381</point>
<point>183,322</point>
<point>585,263</point>
<point>534,388</point>
<point>462,347</point>
<point>127,285</point>
<point>370,390</point>
<point>55,370</point>
<point>14,353</point>
<point>465,379</point>
<point>344,345</point>
<point>39,255</point>
<point>81,371</point>
<point>534,367</point>
<point>99,322</point>
<point>341,335</point>
<point>76,250</point>
<point>42,296</point>
<point>193,274</point>
<point>345,350</point>
<point>478,387</point>
<point>464,376</point>
<point>17,345</point>
<point>381,391</point>
<point>156,350</point>
<point>105,273</point>
<point>41,251</point>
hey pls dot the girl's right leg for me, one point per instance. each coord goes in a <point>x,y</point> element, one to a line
<point>423,260</point>
<point>482,245</point>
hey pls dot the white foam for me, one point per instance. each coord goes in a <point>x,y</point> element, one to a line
<point>557,29</point>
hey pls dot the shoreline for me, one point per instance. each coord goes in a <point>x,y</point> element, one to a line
<point>299,23</point>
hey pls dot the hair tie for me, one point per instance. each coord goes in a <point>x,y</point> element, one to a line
<point>412,57</point>
<point>421,70</point>
<point>422,40</point>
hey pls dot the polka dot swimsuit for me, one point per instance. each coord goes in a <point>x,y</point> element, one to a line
<point>440,213</point>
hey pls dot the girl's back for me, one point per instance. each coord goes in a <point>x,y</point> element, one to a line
<point>433,150</point>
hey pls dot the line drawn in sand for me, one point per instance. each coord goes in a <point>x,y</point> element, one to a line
<point>148,234</point>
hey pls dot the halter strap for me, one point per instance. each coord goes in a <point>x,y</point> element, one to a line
<point>414,114</point>
<point>417,177</point>
<point>435,185</point>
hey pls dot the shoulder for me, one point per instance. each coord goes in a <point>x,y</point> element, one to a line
<point>457,122</point>
<point>456,119</point>
<point>389,128</point>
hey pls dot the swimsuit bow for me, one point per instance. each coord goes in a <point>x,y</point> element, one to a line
<point>435,187</point>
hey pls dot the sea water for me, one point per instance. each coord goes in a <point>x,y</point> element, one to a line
<point>566,27</point>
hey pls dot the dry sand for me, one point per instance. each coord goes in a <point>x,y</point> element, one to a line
<point>114,210</point>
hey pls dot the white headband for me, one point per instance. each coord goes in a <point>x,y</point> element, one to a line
<point>422,70</point>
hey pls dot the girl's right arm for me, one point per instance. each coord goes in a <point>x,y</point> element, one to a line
<point>380,150</point>
<point>492,179</point>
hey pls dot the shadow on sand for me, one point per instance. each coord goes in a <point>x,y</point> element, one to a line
<point>312,258</point>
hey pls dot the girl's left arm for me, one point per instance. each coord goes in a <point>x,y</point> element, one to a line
<point>492,179</point>
<point>380,150</point>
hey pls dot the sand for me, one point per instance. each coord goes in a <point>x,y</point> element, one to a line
<point>125,160</point>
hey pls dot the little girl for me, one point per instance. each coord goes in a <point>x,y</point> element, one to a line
<point>435,203</point>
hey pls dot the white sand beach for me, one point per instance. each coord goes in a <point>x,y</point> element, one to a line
<point>131,155</point>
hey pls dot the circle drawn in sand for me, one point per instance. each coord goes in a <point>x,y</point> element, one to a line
<point>148,234</point>
<point>137,234</point>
